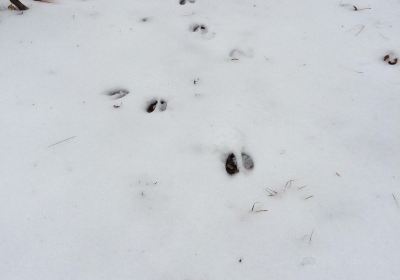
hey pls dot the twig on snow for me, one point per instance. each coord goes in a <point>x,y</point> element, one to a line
<point>361,29</point>
<point>395,200</point>
<point>311,236</point>
<point>288,184</point>
<point>271,192</point>
<point>355,8</point>
<point>257,211</point>
<point>62,141</point>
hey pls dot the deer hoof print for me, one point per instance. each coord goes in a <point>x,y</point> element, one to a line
<point>183,2</point>
<point>390,59</point>
<point>237,54</point>
<point>151,106</point>
<point>117,93</point>
<point>202,28</point>
<point>153,103</point>
<point>163,105</point>
<point>247,161</point>
<point>231,164</point>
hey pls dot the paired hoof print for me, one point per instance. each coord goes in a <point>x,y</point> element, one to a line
<point>392,61</point>
<point>117,93</point>
<point>231,164</point>
<point>199,28</point>
<point>183,2</point>
<point>152,105</point>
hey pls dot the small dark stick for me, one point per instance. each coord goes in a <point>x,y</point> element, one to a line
<point>231,164</point>
<point>182,2</point>
<point>19,5</point>
<point>386,57</point>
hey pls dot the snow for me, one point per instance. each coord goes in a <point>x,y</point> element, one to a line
<point>90,191</point>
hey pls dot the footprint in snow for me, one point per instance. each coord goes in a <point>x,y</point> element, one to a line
<point>117,93</point>
<point>183,2</point>
<point>237,54</point>
<point>231,163</point>
<point>152,105</point>
<point>247,161</point>
<point>390,59</point>
<point>202,28</point>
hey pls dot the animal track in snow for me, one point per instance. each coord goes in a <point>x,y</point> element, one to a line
<point>390,59</point>
<point>247,161</point>
<point>202,28</point>
<point>232,166</point>
<point>163,105</point>
<point>152,104</point>
<point>237,54</point>
<point>183,2</point>
<point>117,93</point>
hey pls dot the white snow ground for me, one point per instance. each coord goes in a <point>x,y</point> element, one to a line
<point>146,196</point>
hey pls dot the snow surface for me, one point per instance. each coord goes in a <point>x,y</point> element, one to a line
<point>301,86</point>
